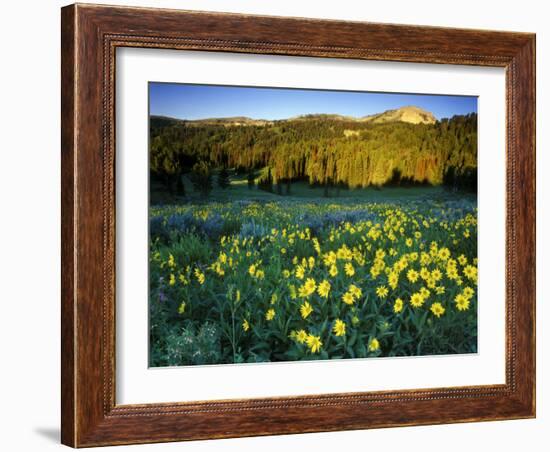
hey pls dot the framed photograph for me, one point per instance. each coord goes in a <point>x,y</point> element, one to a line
<point>281,225</point>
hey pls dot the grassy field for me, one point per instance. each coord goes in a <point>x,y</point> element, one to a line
<point>251,276</point>
<point>299,190</point>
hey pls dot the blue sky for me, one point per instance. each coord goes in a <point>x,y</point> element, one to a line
<point>211,101</point>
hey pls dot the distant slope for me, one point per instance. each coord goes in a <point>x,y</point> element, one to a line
<point>163,121</point>
<point>409,114</point>
<point>321,117</point>
<point>230,121</point>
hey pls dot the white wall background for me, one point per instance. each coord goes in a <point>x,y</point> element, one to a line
<point>30,228</point>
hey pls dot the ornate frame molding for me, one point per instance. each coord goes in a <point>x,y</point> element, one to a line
<point>90,37</point>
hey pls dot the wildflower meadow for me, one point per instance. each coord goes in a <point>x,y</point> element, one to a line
<point>253,281</point>
<point>291,224</point>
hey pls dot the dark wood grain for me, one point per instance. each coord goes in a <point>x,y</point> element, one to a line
<point>90,36</point>
<point>67,226</point>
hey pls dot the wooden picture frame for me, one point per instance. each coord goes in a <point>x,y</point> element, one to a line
<point>90,36</point>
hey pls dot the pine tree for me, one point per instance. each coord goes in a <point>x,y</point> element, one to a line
<point>223,179</point>
<point>320,150</point>
<point>266,182</point>
<point>201,178</point>
<point>251,180</point>
<point>279,188</point>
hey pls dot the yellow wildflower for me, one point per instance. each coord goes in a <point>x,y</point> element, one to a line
<point>437,309</point>
<point>329,258</point>
<point>424,292</point>
<point>339,328</point>
<point>181,309</point>
<point>324,288</point>
<point>452,273</point>
<point>314,343</point>
<point>344,253</point>
<point>200,276</point>
<point>246,325</point>
<point>382,291</point>
<point>444,254</point>
<point>310,285</point>
<point>468,292</point>
<point>374,345</point>
<point>462,303</point>
<point>348,298</point>
<point>393,279</point>
<point>270,314</point>
<point>417,300</point>
<point>425,258</point>
<point>436,274</point>
<point>355,291</point>
<point>171,261</point>
<point>316,245</point>
<point>424,273</point>
<point>470,272</point>
<point>305,309</point>
<point>412,275</point>
<point>301,336</point>
<point>348,268</point>
<point>398,305</point>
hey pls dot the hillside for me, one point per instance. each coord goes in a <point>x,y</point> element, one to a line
<point>230,121</point>
<point>405,146</point>
<point>408,114</point>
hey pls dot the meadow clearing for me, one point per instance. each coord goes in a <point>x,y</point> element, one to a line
<point>250,276</point>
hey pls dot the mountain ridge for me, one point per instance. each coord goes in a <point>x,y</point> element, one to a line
<point>409,114</point>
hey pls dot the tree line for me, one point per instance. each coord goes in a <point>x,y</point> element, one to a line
<point>322,151</point>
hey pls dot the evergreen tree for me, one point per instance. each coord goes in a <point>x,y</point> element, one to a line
<point>180,188</point>
<point>321,150</point>
<point>251,180</point>
<point>223,179</point>
<point>201,178</point>
<point>266,182</point>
